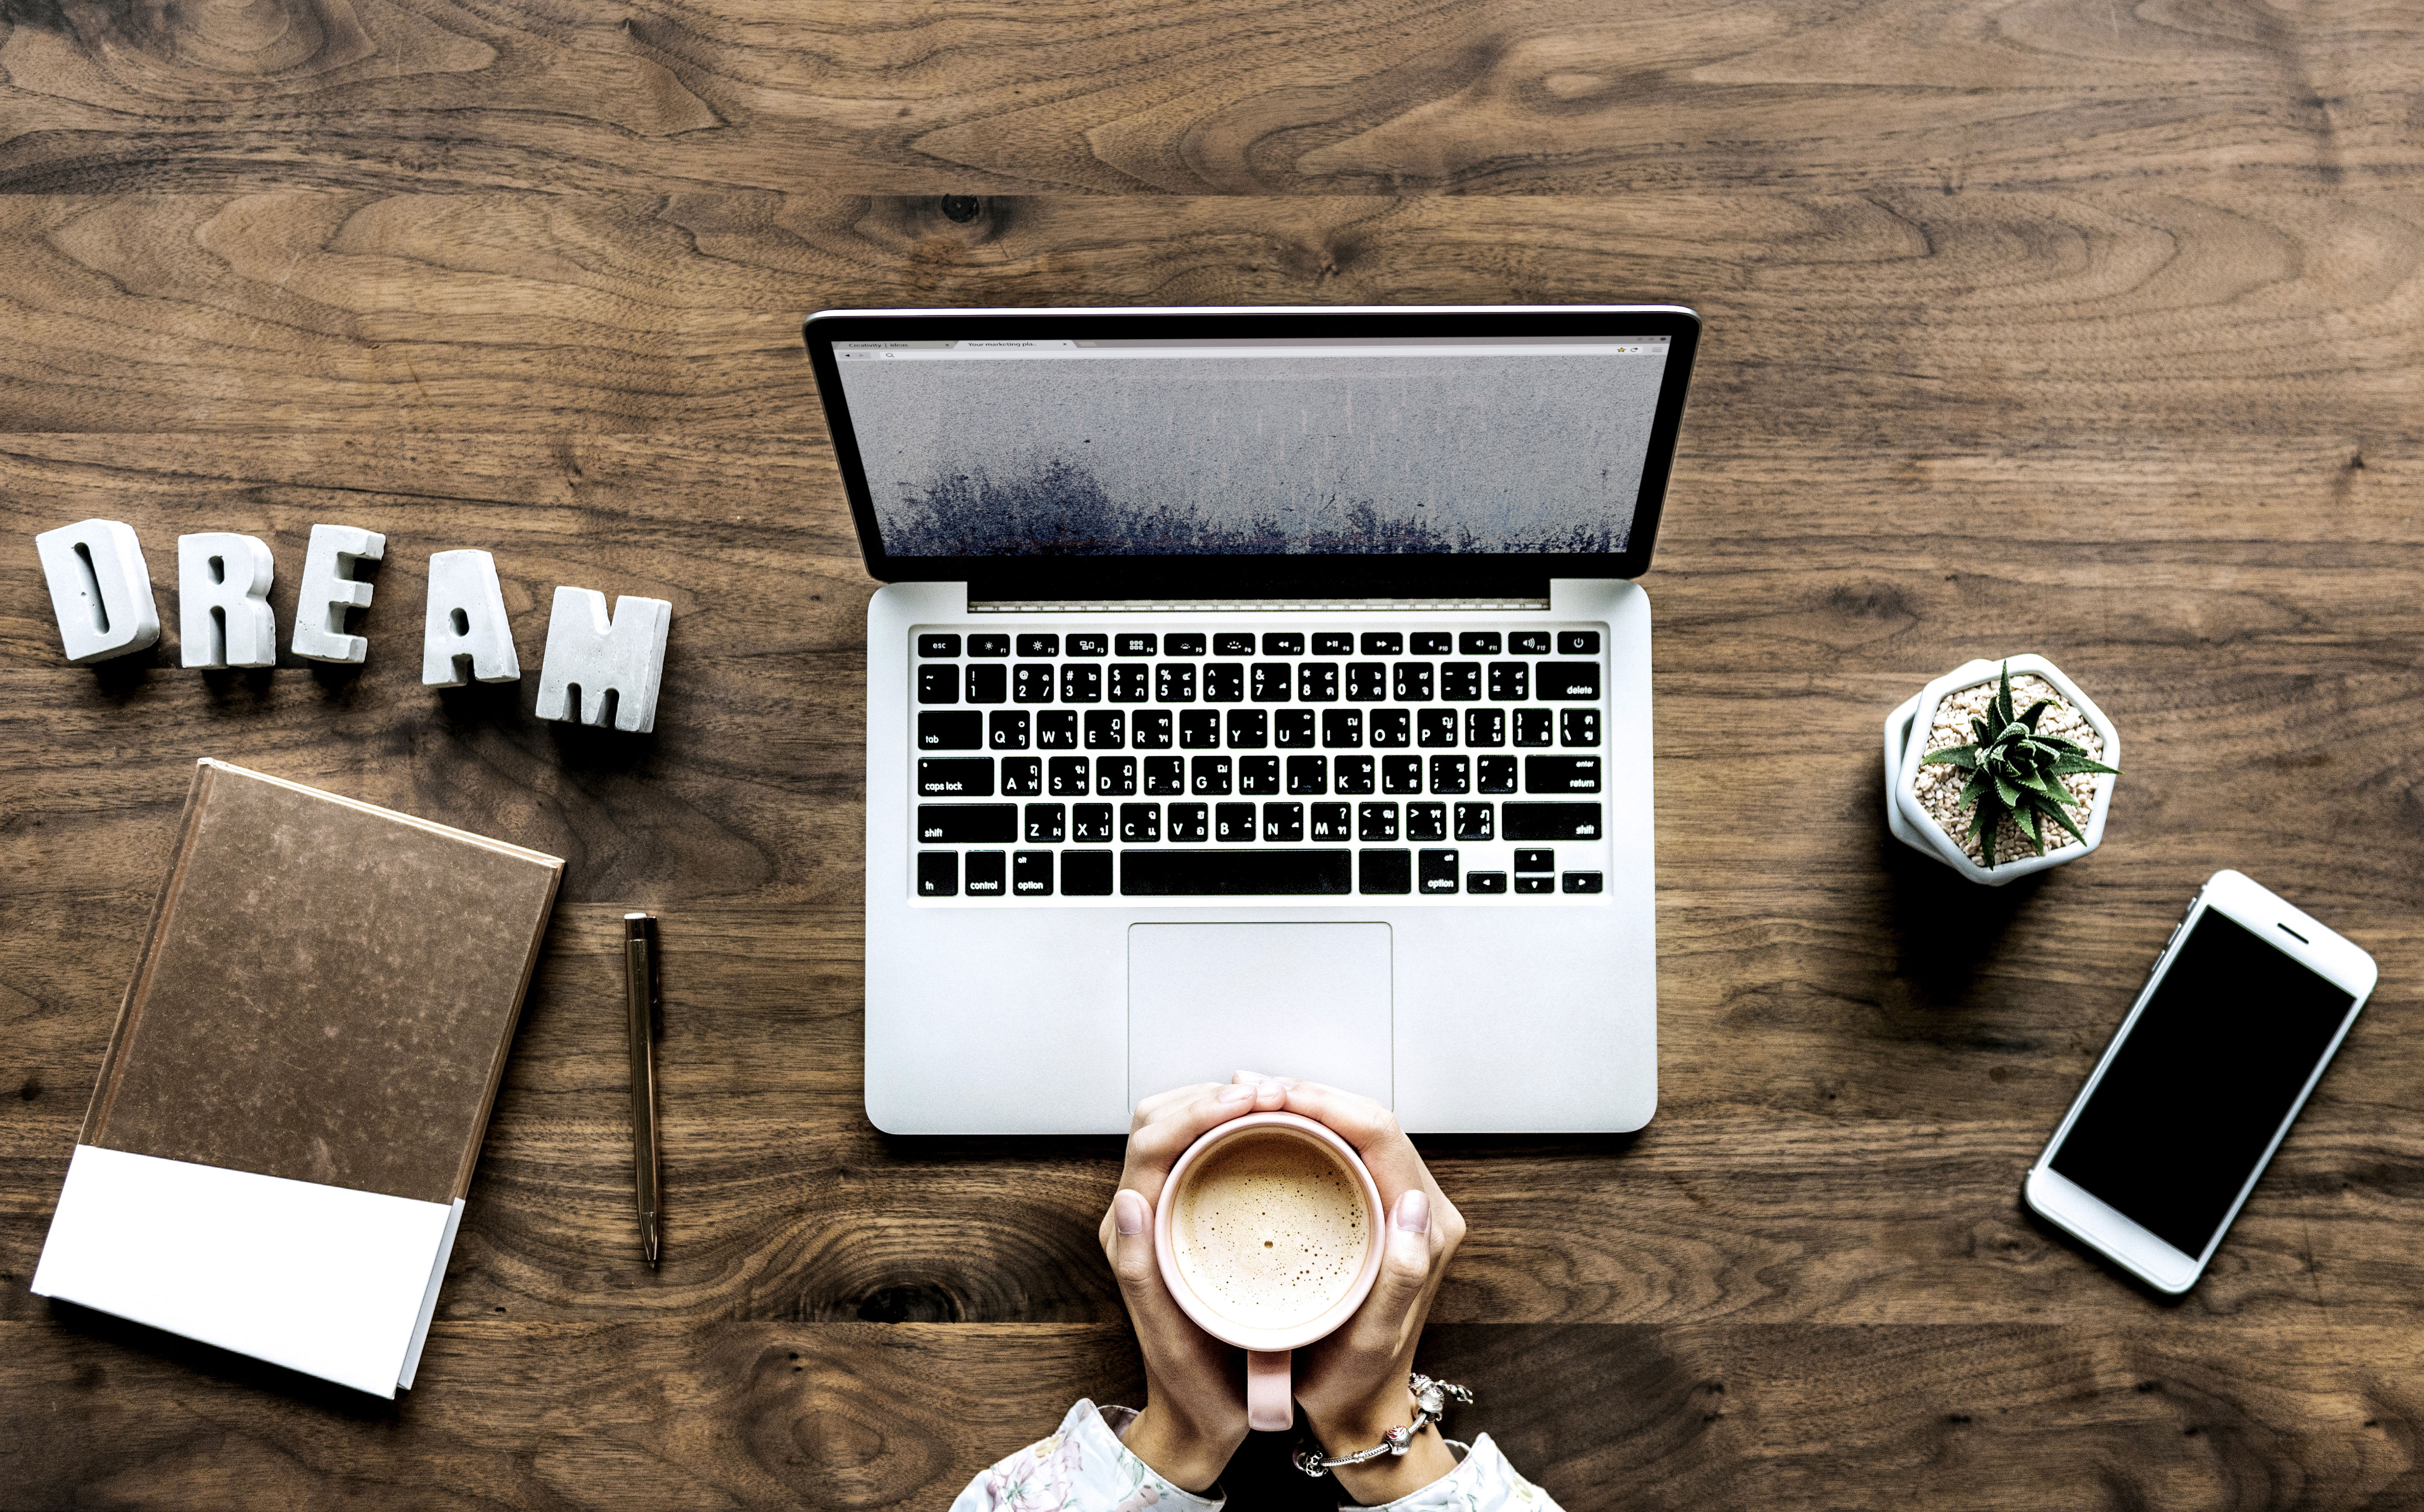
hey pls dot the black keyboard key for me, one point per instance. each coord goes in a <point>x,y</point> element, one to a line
<point>1485,727</point>
<point>1401,775</point>
<point>1047,823</point>
<point>1474,821</point>
<point>1089,646</point>
<point>1199,729</point>
<point>1440,871</point>
<point>1022,776</point>
<point>1537,726</point>
<point>1131,682</point>
<point>1493,775</point>
<point>1115,776</point>
<point>1308,775</point>
<point>1376,821</point>
<point>1069,776</point>
<point>939,873</point>
<point>1582,881</point>
<point>938,646</point>
<point>988,684</point>
<point>938,683</point>
<point>1173,682</point>
<point>1529,643</point>
<point>1565,681</point>
<point>1232,821</point>
<point>1182,645</point>
<point>1258,776</point>
<point>1140,823</point>
<point>1030,873</point>
<point>1224,682</point>
<point>1510,682</point>
<point>1551,822</point>
<point>1249,729</point>
<point>1212,775</point>
<point>1578,642</point>
<point>1039,645</point>
<point>1292,728</point>
<point>1090,823</point>
<point>1426,821</point>
<point>996,646</point>
<point>1081,682</point>
<point>1392,727</point>
<point>1329,822</point>
<point>1351,774</point>
<point>967,823</point>
<point>1342,730</point>
<point>1536,861</point>
<point>1284,823</point>
<point>1236,873</point>
<point>1477,642</point>
<point>1165,776</point>
<point>1030,682</point>
<point>1189,822</point>
<point>1435,727</point>
<point>1271,682</point>
<point>1282,643</point>
<point>950,732</point>
<point>987,873</point>
<point>1106,729</point>
<point>1434,643</point>
<point>1460,681</point>
<point>1383,643</point>
<point>1149,730</point>
<point>1316,682</point>
<point>1367,682</point>
<point>1410,682</point>
<point>1578,726</point>
<point>1451,774</point>
<point>1233,643</point>
<point>1535,885</point>
<point>1385,871</point>
<point>1085,874</point>
<point>955,777</point>
<point>1056,729</point>
<point>1560,774</point>
<point>1485,881</point>
<point>1334,643</point>
<point>1136,643</point>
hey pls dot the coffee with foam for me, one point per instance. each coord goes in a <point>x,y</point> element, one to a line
<point>1270,1230</point>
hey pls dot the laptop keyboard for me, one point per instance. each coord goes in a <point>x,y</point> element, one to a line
<point>1238,764</point>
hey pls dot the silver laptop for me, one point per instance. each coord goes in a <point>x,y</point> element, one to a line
<point>1258,689</point>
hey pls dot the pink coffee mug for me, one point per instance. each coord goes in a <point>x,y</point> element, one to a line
<point>1270,1404</point>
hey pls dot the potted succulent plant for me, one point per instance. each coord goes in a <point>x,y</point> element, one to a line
<point>2000,769</point>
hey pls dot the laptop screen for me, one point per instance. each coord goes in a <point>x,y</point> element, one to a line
<point>1171,444</point>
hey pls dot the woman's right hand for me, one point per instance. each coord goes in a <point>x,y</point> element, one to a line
<point>1194,1415</point>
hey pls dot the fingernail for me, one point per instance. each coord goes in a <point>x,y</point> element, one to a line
<point>1237,1092</point>
<point>1128,1211</point>
<point>1415,1212</point>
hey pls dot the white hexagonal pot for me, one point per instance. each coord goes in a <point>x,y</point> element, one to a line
<point>1905,744</point>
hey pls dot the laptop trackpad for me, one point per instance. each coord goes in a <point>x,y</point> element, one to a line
<point>1306,1001</point>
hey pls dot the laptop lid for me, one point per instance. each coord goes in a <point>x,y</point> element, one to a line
<point>1347,452</point>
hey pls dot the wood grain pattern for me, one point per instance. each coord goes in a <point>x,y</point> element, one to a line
<point>2032,325</point>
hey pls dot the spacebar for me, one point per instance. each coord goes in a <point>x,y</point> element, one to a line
<point>1235,873</point>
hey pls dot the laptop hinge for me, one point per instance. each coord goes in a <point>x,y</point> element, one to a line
<point>1251,606</point>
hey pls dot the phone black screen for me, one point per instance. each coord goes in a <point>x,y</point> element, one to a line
<point>2203,1082</point>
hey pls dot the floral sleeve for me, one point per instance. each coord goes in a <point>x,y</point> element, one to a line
<point>1485,1481</point>
<point>1082,1467</point>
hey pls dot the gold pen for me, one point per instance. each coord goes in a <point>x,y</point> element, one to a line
<point>641,996</point>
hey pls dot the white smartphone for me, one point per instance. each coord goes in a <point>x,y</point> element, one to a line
<point>2243,1011</point>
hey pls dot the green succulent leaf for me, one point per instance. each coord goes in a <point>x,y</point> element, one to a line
<point>2062,816</point>
<point>1965,757</point>
<point>2029,719</point>
<point>2006,789</point>
<point>2068,765</point>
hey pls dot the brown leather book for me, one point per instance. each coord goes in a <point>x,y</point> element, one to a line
<point>326,1000</point>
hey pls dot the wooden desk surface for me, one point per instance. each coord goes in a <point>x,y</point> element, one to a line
<point>2057,326</point>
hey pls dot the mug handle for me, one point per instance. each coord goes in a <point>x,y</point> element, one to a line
<point>1270,1396</point>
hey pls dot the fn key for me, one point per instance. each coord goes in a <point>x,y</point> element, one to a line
<point>939,873</point>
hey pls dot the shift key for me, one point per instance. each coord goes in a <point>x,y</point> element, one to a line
<point>955,777</point>
<point>1535,822</point>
